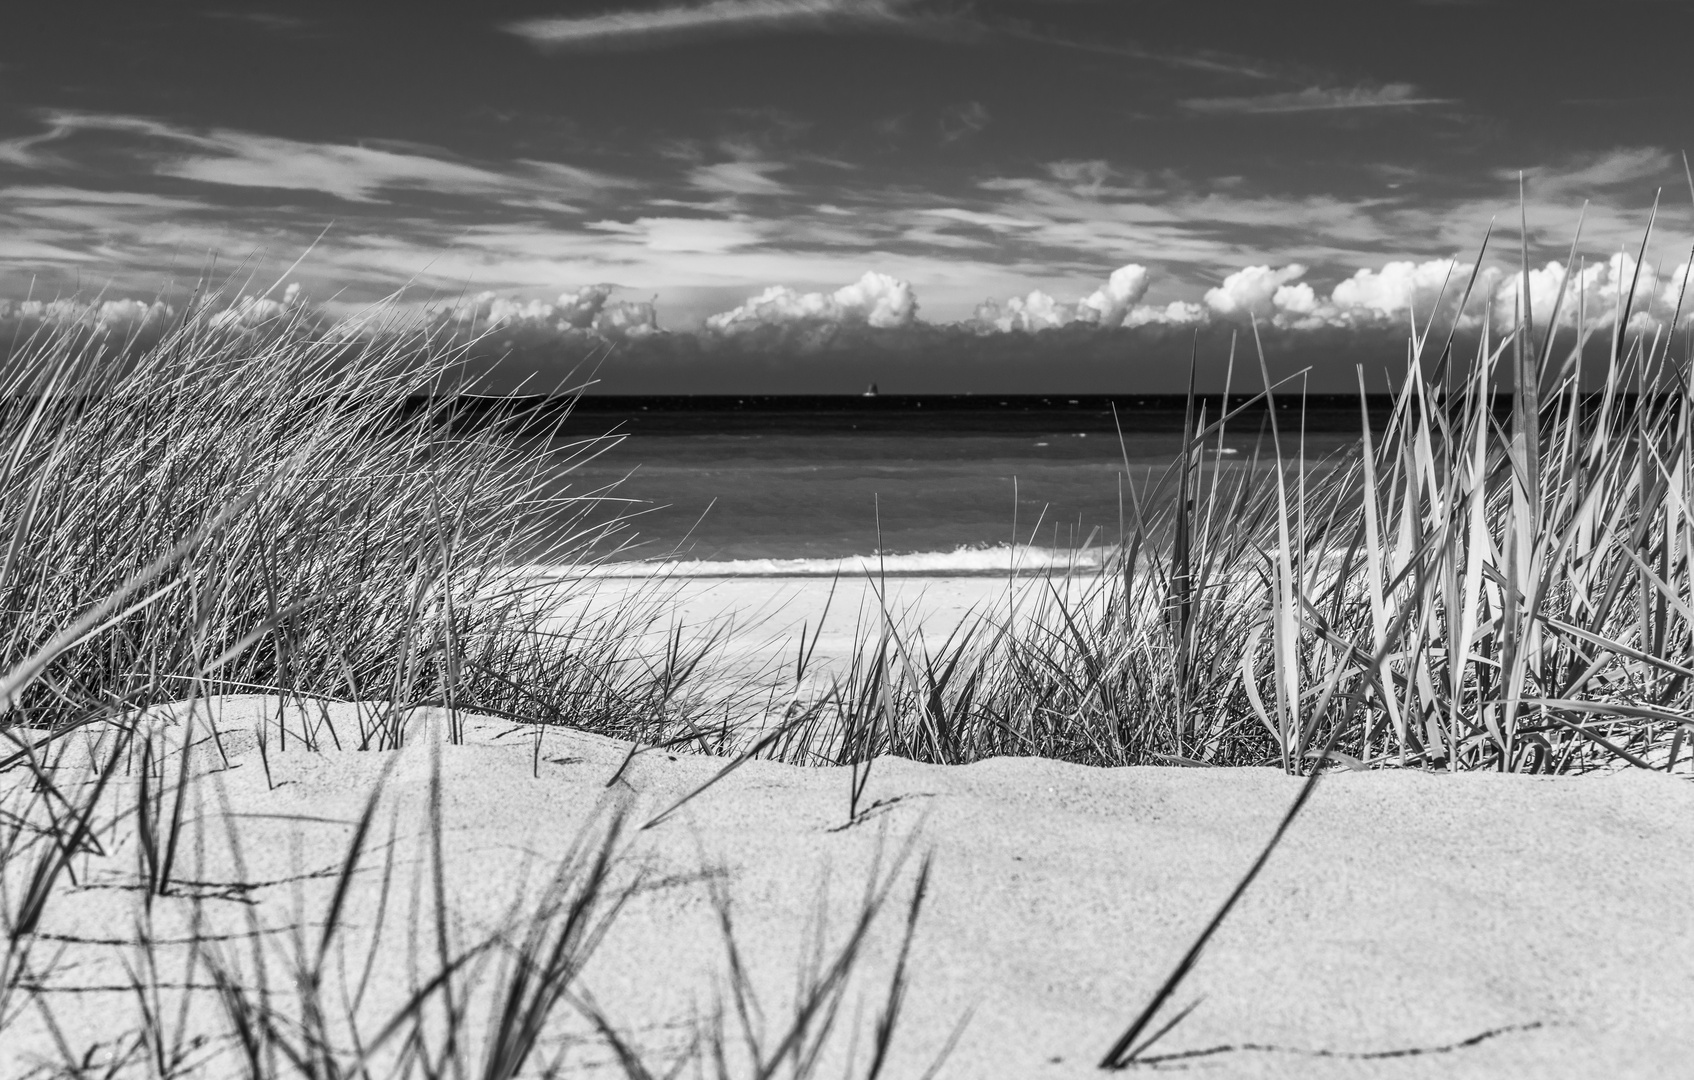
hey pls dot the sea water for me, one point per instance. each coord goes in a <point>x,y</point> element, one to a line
<point>916,487</point>
<point>821,525</point>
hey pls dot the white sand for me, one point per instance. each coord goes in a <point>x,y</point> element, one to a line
<point>1404,913</point>
<point>769,614</point>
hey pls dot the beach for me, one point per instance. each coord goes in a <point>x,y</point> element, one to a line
<point>1411,925</point>
<point>762,622</point>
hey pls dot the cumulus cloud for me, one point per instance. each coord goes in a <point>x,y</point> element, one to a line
<point>1112,305</point>
<point>626,319</point>
<point>105,315</point>
<point>1261,292</point>
<point>129,315</point>
<point>1175,313</point>
<point>252,311</point>
<point>1677,294</point>
<point>1400,288</point>
<point>1395,294</point>
<point>589,310</point>
<point>877,316</point>
<point>1109,304</point>
<point>1402,291</point>
<point>1595,294</point>
<point>1030,314</point>
<point>875,300</point>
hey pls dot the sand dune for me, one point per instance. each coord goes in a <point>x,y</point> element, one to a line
<point>1412,925</point>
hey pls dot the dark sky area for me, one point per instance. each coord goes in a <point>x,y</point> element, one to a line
<point>865,169</point>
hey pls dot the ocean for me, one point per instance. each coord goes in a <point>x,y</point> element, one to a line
<point>944,486</point>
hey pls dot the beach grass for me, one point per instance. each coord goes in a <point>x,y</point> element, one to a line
<point>284,511</point>
<point>1493,580</point>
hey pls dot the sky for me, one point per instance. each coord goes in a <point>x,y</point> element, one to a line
<point>700,183</point>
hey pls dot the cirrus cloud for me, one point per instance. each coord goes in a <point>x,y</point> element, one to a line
<point>351,171</point>
<point>671,24</point>
<point>1315,99</point>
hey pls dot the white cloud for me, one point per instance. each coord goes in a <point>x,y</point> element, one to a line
<point>1624,166</point>
<point>1295,299</point>
<point>106,315</point>
<point>885,301</point>
<point>626,319</point>
<point>1175,313</point>
<point>26,251</point>
<point>354,173</point>
<point>1258,291</point>
<point>1318,99</point>
<point>1595,295</point>
<point>739,178</point>
<point>665,25</point>
<point>1401,288</point>
<point>34,197</point>
<point>1391,295</point>
<point>1279,297</point>
<point>251,311</point>
<point>1544,285</point>
<point>587,310</point>
<point>132,312</point>
<point>357,173</point>
<point>1376,299</point>
<point>874,300</point>
<point>1678,292</point>
<point>977,217</point>
<point>24,151</point>
<point>684,235</point>
<point>1109,305</point>
<point>1029,314</point>
<point>1086,176</point>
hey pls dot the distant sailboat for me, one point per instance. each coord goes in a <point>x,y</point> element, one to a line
<point>871,392</point>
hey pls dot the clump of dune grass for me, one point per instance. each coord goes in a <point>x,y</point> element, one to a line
<point>285,509</point>
<point>1497,578</point>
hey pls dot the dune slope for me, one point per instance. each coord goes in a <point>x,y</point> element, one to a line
<point>1411,924</point>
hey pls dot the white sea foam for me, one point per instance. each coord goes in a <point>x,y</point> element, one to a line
<point>964,562</point>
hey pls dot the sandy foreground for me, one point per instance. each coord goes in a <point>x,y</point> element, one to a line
<point>1411,924</point>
